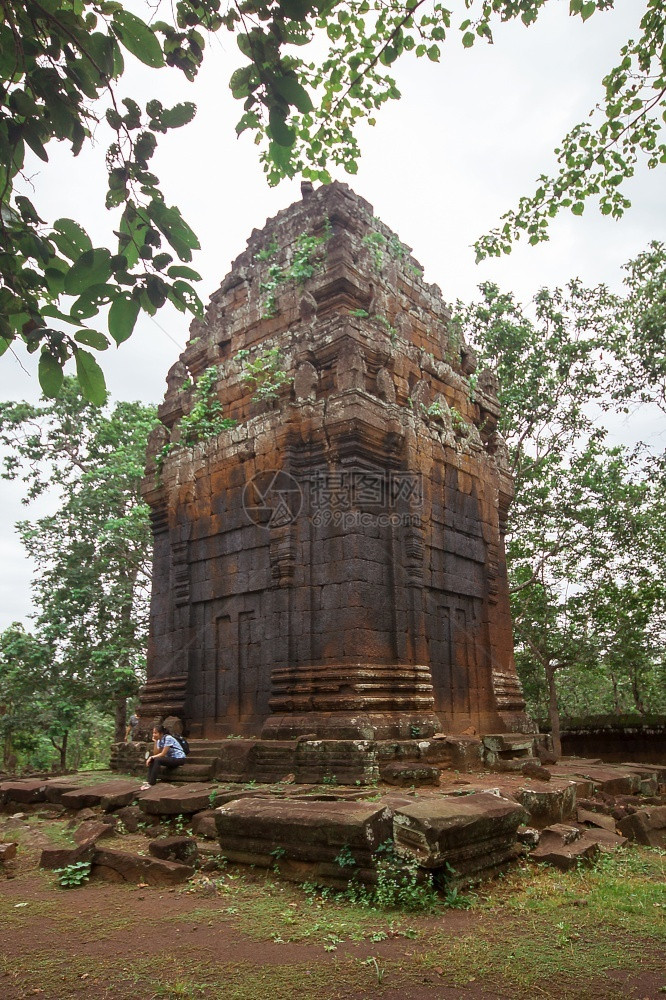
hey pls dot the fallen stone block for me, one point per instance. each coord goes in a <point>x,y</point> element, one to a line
<point>408,775</point>
<point>175,800</point>
<point>120,866</point>
<point>7,852</point>
<point>612,780</point>
<point>559,833</point>
<point>548,803</point>
<point>645,826</point>
<point>536,771</point>
<point>470,833</point>
<point>57,787</point>
<point>203,824</point>
<point>566,856</point>
<point>130,817</point>
<point>465,752</point>
<point>595,819</point>
<point>109,795</point>
<point>261,831</point>
<point>51,812</point>
<point>604,839</point>
<point>62,857</point>
<point>183,849</point>
<point>528,835</point>
<point>24,792</point>
<point>92,830</point>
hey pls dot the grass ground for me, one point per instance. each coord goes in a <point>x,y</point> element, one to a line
<point>242,934</point>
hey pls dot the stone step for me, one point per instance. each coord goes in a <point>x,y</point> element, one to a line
<point>190,772</point>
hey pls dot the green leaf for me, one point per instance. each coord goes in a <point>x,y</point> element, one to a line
<point>293,93</point>
<point>280,131</point>
<point>138,38</point>
<point>100,48</point>
<point>179,114</point>
<point>239,82</point>
<point>50,374</point>
<point>578,208</point>
<point>91,268</point>
<point>90,376</point>
<point>4,345</point>
<point>92,338</point>
<point>122,317</point>
<point>468,39</point>
<point>178,271</point>
<point>170,222</point>
<point>70,238</point>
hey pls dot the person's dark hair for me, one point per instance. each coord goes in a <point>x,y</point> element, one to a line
<point>159,728</point>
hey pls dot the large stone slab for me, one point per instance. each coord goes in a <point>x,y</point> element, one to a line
<point>24,791</point>
<point>57,787</point>
<point>470,833</point>
<point>175,800</point>
<point>548,803</point>
<point>611,779</point>
<point>257,830</point>
<point>645,826</point>
<point>204,824</point>
<point>119,866</point>
<point>563,847</point>
<point>183,849</point>
<point>108,794</point>
<point>61,857</point>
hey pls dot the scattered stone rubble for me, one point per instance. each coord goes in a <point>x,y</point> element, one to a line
<point>471,823</point>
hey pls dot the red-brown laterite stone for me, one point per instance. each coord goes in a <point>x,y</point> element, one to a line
<point>360,592</point>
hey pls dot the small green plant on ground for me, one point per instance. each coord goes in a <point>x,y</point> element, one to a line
<point>212,798</point>
<point>329,779</point>
<point>264,373</point>
<point>181,824</point>
<point>73,875</point>
<point>345,858</point>
<point>400,883</point>
<point>277,854</point>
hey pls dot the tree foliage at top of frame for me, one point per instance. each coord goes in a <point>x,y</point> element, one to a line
<point>62,62</point>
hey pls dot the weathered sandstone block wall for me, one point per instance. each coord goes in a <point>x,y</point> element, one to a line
<point>334,564</point>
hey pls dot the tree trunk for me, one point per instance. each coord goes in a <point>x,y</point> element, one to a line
<point>63,751</point>
<point>121,719</point>
<point>616,696</point>
<point>553,709</point>
<point>636,691</point>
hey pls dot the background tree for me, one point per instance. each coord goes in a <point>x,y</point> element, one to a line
<point>586,545</point>
<point>92,556</point>
<point>61,65</point>
<point>38,701</point>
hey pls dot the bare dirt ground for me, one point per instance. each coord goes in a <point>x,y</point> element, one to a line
<point>241,934</point>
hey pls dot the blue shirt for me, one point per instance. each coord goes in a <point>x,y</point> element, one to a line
<point>175,750</point>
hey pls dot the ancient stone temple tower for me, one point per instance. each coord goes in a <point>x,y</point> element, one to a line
<point>333,563</point>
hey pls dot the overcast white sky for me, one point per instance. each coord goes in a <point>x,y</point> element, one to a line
<point>467,139</point>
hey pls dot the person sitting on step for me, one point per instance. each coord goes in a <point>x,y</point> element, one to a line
<point>168,753</point>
